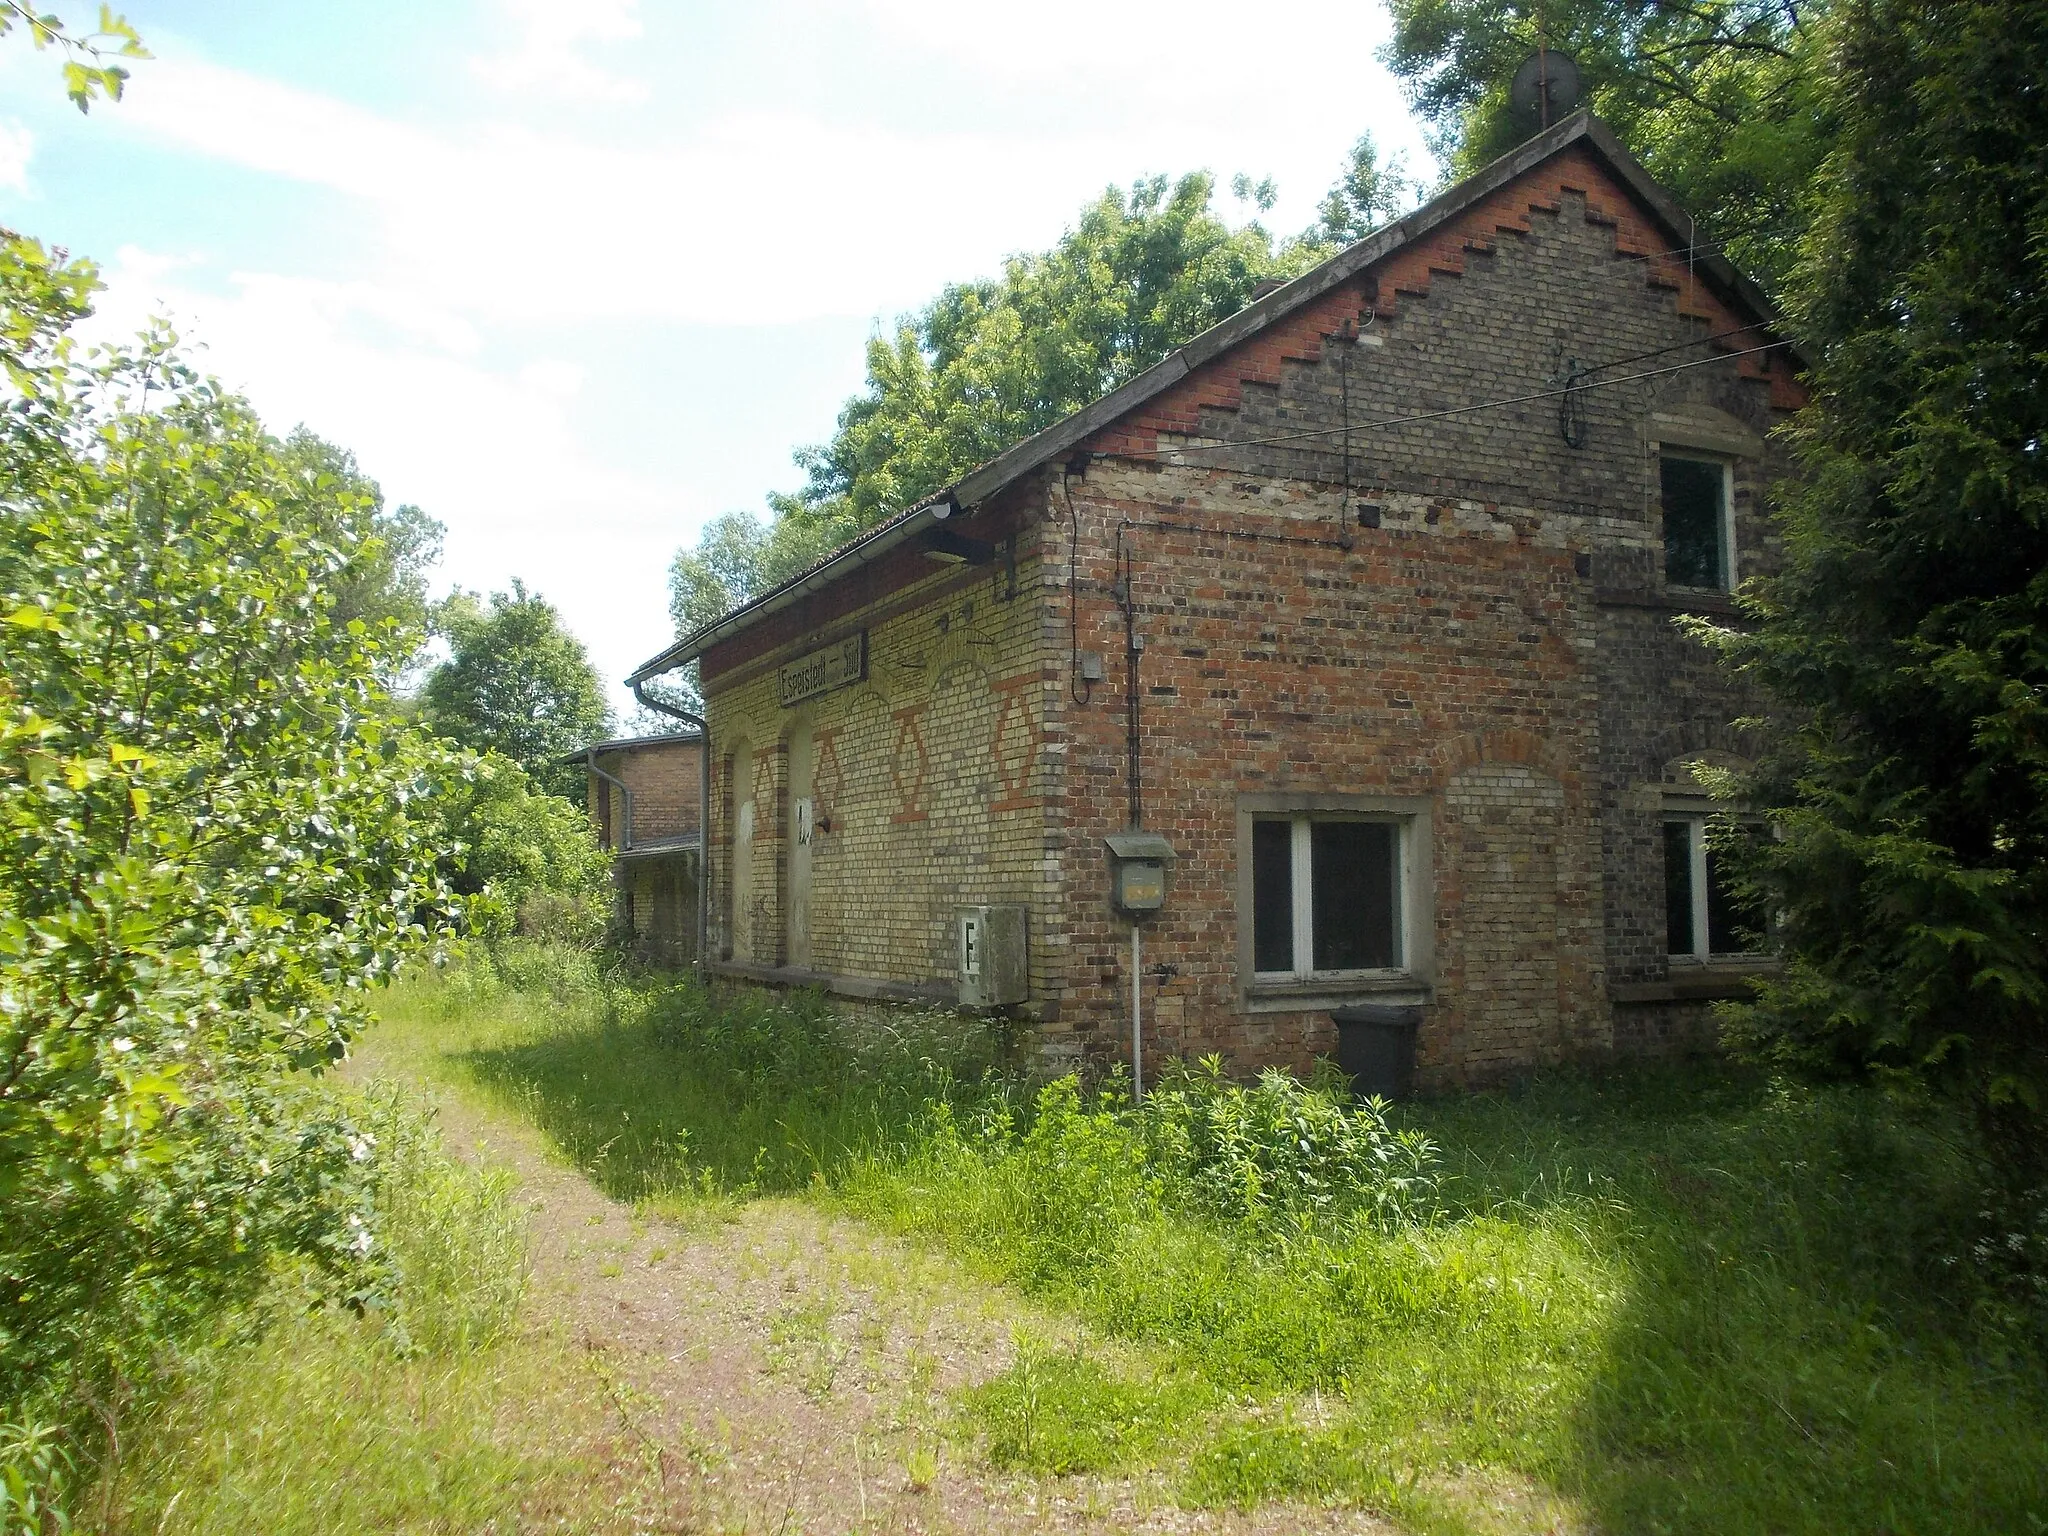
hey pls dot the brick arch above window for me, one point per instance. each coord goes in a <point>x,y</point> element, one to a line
<point>1529,749</point>
<point>1678,772</point>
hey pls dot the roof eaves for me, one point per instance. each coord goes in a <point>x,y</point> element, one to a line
<point>1007,467</point>
<point>871,545</point>
<point>622,743</point>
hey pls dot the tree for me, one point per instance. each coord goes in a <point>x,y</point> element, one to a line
<point>991,362</point>
<point>391,550</point>
<point>1365,197</point>
<point>988,363</point>
<point>210,848</point>
<point>522,860</point>
<point>516,683</point>
<point>87,70</point>
<point>1720,98</point>
<point>1905,641</point>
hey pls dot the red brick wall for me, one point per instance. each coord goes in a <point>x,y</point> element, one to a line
<point>1493,644</point>
<point>1416,664</point>
<point>1500,646</point>
<point>665,778</point>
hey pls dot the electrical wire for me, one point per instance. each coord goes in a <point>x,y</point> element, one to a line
<point>1676,346</point>
<point>1466,410</point>
<point>1081,689</point>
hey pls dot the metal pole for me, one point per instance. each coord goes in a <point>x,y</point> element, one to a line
<point>703,726</point>
<point>625,843</point>
<point>1137,1018</point>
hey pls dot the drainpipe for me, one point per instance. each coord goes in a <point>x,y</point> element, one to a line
<point>625,840</point>
<point>625,794</point>
<point>703,813</point>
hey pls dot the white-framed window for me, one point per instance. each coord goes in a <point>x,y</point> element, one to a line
<point>1705,918</point>
<point>1326,894</point>
<point>1699,520</point>
<point>1334,896</point>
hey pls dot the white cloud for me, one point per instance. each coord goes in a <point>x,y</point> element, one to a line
<point>765,215</point>
<point>490,450</point>
<point>770,213</point>
<point>269,126</point>
<point>17,147</point>
<point>547,57</point>
<point>472,349</point>
<point>555,379</point>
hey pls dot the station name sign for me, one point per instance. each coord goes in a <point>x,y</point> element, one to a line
<point>845,661</point>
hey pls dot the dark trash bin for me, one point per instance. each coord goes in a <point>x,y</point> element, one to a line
<point>1376,1048</point>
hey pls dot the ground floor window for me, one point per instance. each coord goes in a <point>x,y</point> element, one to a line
<point>1704,915</point>
<point>1326,894</point>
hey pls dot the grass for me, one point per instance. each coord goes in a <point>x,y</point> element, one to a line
<point>444,1407</point>
<point>1687,1299</point>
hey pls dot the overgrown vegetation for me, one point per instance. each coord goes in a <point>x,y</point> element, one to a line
<point>430,1404</point>
<point>1902,643</point>
<point>210,844</point>
<point>516,684</point>
<point>217,835</point>
<point>1689,1300</point>
<point>1721,99</point>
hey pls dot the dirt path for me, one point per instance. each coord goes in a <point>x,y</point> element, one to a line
<point>784,1371</point>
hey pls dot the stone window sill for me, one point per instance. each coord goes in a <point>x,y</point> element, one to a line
<point>1321,993</point>
<point>1696,981</point>
<point>1670,599</point>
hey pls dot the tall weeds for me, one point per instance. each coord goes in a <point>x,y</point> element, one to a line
<point>382,1412</point>
<point>1691,1299</point>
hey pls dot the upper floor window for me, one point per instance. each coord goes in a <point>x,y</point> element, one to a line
<point>1699,522</point>
<point>1704,915</point>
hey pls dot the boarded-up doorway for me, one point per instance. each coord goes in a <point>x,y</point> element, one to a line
<point>801,814</point>
<point>742,852</point>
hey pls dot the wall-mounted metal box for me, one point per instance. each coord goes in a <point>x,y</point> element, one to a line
<point>992,946</point>
<point>1137,870</point>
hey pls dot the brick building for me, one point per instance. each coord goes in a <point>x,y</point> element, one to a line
<point>1363,601</point>
<point>646,800</point>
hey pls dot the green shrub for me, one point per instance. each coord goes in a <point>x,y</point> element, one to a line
<point>396,1413</point>
<point>36,1474</point>
<point>1282,1152</point>
<point>524,860</point>
<point>213,849</point>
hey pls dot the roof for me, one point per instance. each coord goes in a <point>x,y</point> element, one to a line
<point>667,739</point>
<point>1060,439</point>
<point>654,848</point>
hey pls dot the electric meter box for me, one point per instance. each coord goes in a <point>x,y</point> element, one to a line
<point>1137,871</point>
<point>992,948</point>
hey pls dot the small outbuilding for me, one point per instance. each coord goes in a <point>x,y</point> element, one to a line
<point>645,795</point>
<point>1333,666</point>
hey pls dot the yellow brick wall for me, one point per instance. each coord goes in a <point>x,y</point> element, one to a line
<point>929,782</point>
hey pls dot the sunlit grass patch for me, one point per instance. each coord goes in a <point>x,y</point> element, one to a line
<point>435,1407</point>
<point>1687,1299</point>
<point>1280,1456</point>
<point>323,1427</point>
<point>1062,1410</point>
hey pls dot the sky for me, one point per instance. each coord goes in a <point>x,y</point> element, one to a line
<point>576,276</point>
